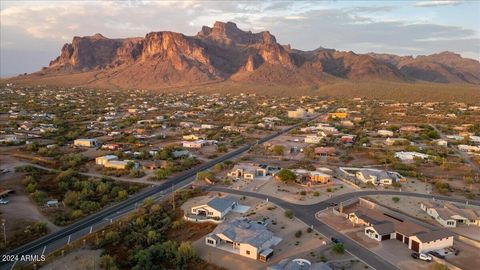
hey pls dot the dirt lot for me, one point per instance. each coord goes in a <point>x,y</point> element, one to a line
<point>21,210</point>
<point>467,258</point>
<point>408,205</point>
<point>81,259</point>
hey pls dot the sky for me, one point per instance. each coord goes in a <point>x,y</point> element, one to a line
<point>33,32</point>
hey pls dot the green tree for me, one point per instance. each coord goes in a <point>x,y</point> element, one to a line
<point>186,253</point>
<point>122,195</point>
<point>338,248</point>
<point>39,196</point>
<point>278,150</point>
<point>218,168</point>
<point>201,176</point>
<point>151,237</point>
<point>108,262</point>
<point>288,213</point>
<point>286,175</point>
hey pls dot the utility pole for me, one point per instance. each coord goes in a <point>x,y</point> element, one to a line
<point>173,198</point>
<point>4,232</point>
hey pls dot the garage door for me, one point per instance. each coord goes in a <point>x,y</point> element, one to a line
<point>399,237</point>
<point>385,237</point>
<point>415,246</point>
<point>405,240</point>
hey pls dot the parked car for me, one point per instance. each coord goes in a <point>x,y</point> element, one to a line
<point>333,204</point>
<point>336,241</point>
<point>436,254</point>
<point>3,201</point>
<point>422,256</point>
<point>5,170</point>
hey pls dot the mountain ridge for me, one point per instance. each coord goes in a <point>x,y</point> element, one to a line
<point>224,52</point>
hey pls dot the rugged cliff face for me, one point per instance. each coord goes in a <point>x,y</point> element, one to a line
<point>225,52</point>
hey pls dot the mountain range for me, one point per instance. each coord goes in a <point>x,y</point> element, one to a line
<point>225,53</point>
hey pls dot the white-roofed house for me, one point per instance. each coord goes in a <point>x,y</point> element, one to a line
<point>247,171</point>
<point>215,208</point>
<point>377,177</point>
<point>85,142</point>
<point>104,159</point>
<point>243,237</point>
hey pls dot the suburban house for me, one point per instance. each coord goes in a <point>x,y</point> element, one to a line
<point>441,142</point>
<point>378,177</point>
<point>194,144</point>
<point>118,164</point>
<point>85,142</point>
<point>111,146</point>
<point>9,139</point>
<point>191,137</point>
<point>104,159</point>
<point>316,177</point>
<point>180,153</point>
<point>215,208</point>
<point>346,123</point>
<point>468,148</point>
<point>247,171</point>
<point>244,237</point>
<point>449,215</point>
<point>298,113</point>
<point>234,129</point>
<point>433,240</point>
<point>396,141</point>
<point>474,139</point>
<point>410,156</point>
<point>380,227</point>
<point>154,165</point>
<point>314,139</point>
<point>385,133</point>
<point>338,115</point>
<point>325,151</point>
<point>347,138</point>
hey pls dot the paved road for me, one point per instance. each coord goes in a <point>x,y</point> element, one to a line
<point>461,154</point>
<point>306,213</point>
<point>56,240</point>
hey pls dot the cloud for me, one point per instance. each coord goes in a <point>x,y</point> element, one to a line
<point>435,3</point>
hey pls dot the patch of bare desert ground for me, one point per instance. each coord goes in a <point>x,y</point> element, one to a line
<point>80,259</point>
<point>329,87</point>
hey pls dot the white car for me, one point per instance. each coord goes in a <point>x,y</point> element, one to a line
<point>422,256</point>
<point>3,201</point>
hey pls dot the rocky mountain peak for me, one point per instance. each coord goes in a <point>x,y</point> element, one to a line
<point>225,52</point>
<point>229,34</point>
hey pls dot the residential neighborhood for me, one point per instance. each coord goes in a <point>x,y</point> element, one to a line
<point>260,182</point>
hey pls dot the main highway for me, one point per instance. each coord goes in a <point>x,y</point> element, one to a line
<point>58,239</point>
